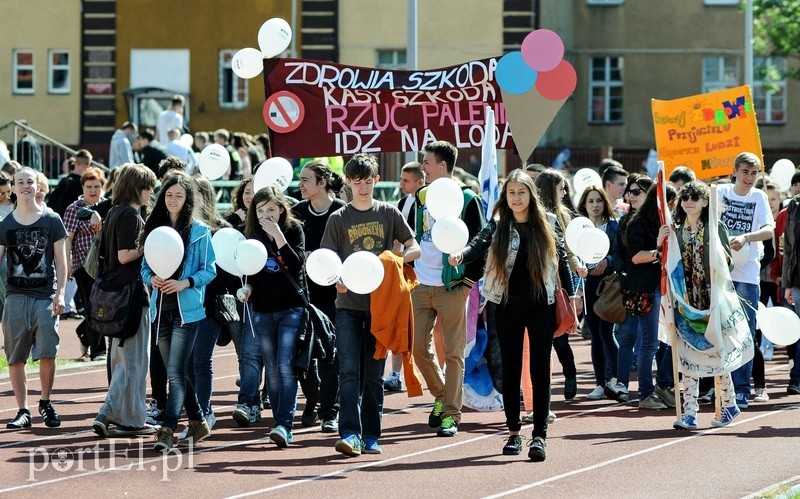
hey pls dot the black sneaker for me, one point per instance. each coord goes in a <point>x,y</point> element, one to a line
<point>449,427</point>
<point>435,418</point>
<point>513,447</point>
<point>330,426</point>
<point>793,389</point>
<point>22,420</point>
<point>537,453</point>
<point>570,388</point>
<point>265,404</point>
<point>100,427</point>
<point>310,416</point>
<point>51,419</point>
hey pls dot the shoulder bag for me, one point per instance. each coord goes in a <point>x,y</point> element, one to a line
<point>566,320</point>
<point>609,305</point>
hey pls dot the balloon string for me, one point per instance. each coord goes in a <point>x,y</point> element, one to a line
<point>158,315</point>
<point>246,315</point>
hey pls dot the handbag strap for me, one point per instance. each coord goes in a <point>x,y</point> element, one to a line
<point>285,271</point>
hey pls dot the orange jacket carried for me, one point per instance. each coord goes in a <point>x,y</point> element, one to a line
<point>393,317</point>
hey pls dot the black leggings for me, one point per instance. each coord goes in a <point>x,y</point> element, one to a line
<point>513,318</point>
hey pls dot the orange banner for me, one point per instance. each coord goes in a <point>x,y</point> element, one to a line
<point>705,132</point>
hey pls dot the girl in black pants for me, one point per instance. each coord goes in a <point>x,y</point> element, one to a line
<point>525,257</point>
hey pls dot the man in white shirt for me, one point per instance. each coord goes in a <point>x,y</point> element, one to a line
<point>176,148</point>
<point>747,214</point>
<point>170,118</point>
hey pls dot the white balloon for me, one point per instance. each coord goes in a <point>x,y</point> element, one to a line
<point>274,37</point>
<point>214,161</point>
<point>782,172</point>
<point>247,63</point>
<point>584,178</point>
<point>276,172</point>
<point>575,229</point>
<point>225,241</point>
<point>593,245</point>
<point>779,325</point>
<point>362,272</point>
<point>187,140</point>
<point>450,234</point>
<point>250,256</point>
<point>163,250</point>
<point>324,267</point>
<point>444,198</point>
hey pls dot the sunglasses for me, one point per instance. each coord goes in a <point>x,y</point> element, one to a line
<point>635,192</point>
<point>694,197</point>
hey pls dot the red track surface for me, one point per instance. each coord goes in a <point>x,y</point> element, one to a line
<point>595,449</point>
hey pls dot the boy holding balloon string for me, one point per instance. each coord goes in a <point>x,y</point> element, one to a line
<point>364,224</point>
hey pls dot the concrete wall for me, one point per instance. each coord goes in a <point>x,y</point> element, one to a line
<point>41,25</point>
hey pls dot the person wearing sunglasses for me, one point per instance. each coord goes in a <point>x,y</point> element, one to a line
<point>692,228</point>
<point>747,215</point>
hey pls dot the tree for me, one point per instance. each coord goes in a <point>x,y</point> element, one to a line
<point>776,32</point>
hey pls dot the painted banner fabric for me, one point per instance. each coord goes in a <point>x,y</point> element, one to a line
<point>320,108</point>
<point>708,342</point>
<point>487,175</point>
<point>705,132</point>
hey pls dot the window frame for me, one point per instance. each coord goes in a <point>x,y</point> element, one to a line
<point>395,58</point>
<point>52,68</point>
<point>765,116</point>
<point>722,3</point>
<point>16,68</point>
<point>607,84</point>
<point>235,82</point>
<point>604,2</point>
<point>722,83</point>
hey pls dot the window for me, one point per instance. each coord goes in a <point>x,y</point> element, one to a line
<point>232,89</point>
<point>605,90</point>
<point>23,72</point>
<point>769,89</point>
<point>720,72</point>
<point>392,59</point>
<point>58,72</point>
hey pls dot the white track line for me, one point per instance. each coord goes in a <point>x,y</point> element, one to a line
<point>771,489</point>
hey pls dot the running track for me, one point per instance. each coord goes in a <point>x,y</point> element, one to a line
<point>595,449</point>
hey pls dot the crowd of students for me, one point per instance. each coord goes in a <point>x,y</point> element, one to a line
<point>518,249</point>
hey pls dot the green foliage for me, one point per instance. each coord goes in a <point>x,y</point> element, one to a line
<point>776,32</point>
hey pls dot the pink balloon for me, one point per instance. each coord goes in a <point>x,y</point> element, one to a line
<point>559,83</point>
<point>542,50</point>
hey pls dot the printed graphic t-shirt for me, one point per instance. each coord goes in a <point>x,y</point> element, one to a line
<point>30,255</point>
<point>743,214</point>
<point>374,230</point>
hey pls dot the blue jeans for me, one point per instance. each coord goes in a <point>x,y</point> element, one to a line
<point>646,327</point>
<point>749,294</point>
<point>202,370</point>
<point>175,343</point>
<point>794,374</point>
<point>360,376</point>
<point>248,351</point>
<point>277,333</point>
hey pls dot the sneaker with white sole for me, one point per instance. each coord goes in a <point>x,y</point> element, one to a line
<point>761,395</point>
<point>281,436</point>
<point>652,401</point>
<point>349,445</point>
<point>596,394</point>
<point>197,432</point>
<point>666,395</point>
<point>154,415</point>
<point>726,416</point>
<point>241,414</point>
<point>393,383</point>
<point>164,439</point>
<point>617,391</point>
<point>686,422</point>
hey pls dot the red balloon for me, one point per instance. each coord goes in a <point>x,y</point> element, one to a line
<point>559,83</point>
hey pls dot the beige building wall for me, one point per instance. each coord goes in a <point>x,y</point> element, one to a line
<point>449,31</point>
<point>41,25</point>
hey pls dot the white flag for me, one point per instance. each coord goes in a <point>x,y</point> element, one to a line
<point>488,173</point>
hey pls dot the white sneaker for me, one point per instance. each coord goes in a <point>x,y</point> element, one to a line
<point>596,394</point>
<point>761,395</point>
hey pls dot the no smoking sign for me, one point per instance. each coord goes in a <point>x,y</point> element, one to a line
<point>283,112</point>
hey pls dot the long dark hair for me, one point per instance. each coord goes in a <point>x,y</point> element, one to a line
<point>540,235</point>
<point>205,206</point>
<point>252,229</point>
<point>160,216</point>
<point>647,214</point>
<point>694,187</point>
<point>608,210</point>
<point>237,196</point>
<point>547,184</point>
<point>333,181</point>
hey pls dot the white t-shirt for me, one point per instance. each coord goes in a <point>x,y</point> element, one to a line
<point>743,214</point>
<point>428,266</point>
<point>168,120</point>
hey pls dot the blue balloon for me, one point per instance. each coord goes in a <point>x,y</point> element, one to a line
<point>513,75</point>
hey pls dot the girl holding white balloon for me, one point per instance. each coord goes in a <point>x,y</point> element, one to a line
<point>595,205</point>
<point>524,253</point>
<point>178,280</point>
<point>552,188</point>
<point>278,309</point>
